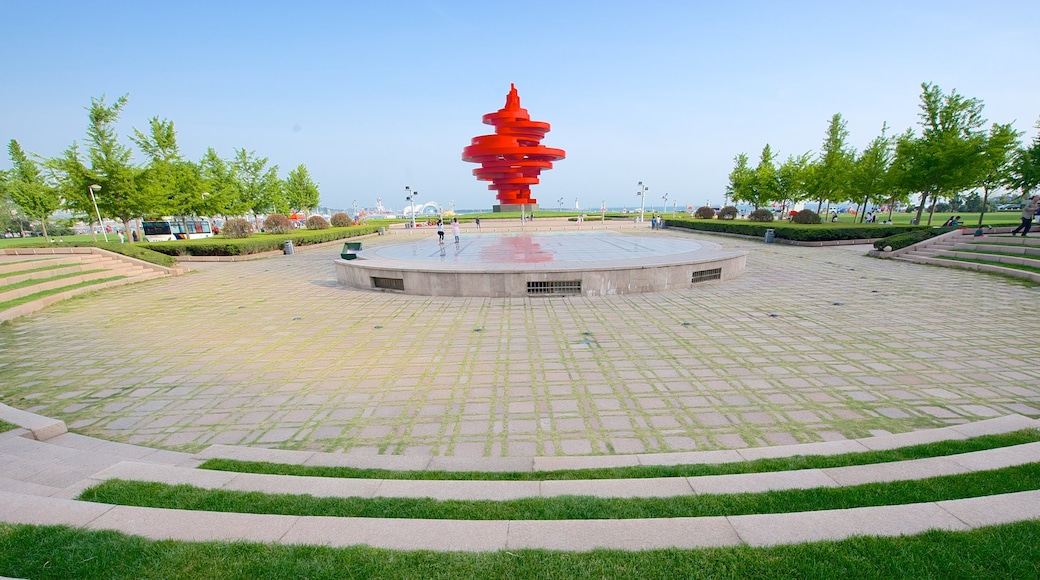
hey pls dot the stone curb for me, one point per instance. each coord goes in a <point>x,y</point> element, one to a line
<point>42,428</point>
<point>426,463</point>
<point>485,535</point>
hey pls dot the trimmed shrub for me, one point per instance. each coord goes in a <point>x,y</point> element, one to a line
<point>340,220</point>
<point>259,242</point>
<point>237,228</point>
<point>727,213</point>
<point>806,216</point>
<point>277,223</point>
<point>316,222</point>
<point>705,213</point>
<point>760,215</point>
<point>900,241</point>
<point>797,232</point>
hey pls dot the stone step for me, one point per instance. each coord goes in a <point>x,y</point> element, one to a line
<point>484,535</point>
<point>41,303</point>
<point>615,488</point>
<point>54,284</point>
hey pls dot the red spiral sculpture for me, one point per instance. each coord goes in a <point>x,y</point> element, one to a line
<point>513,157</point>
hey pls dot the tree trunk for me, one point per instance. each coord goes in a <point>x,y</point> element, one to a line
<point>985,196</point>
<point>931,212</point>
<point>43,226</point>
<point>90,226</point>
<point>920,208</point>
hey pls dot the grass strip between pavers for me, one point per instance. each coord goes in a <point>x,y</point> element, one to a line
<point>45,293</point>
<point>5,426</point>
<point>924,451</point>
<point>34,270</point>
<point>33,282</point>
<point>48,552</point>
<point>947,487</point>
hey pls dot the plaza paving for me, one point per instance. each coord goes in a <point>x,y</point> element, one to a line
<point>810,344</point>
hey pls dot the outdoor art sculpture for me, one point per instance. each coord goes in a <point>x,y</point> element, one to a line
<point>513,157</point>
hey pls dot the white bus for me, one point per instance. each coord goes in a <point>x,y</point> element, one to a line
<point>174,229</point>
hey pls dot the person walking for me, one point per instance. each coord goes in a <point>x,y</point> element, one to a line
<point>440,231</point>
<point>1027,216</point>
<point>455,229</point>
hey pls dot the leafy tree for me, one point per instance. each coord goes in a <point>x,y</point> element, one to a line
<point>300,190</point>
<point>27,188</point>
<point>1025,169</point>
<point>110,166</point>
<point>998,156</point>
<point>835,164</point>
<point>219,182</point>
<point>258,187</point>
<point>948,157</point>
<point>177,185</point>
<point>794,178</point>
<point>869,178</point>
<point>741,180</point>
<point>766,184</point>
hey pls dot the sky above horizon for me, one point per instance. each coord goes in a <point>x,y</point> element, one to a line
<point>375,96</point>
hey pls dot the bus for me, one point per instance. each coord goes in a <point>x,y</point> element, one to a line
<point>159,230</point>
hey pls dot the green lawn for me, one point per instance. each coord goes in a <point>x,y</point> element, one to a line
<point>937,449</point>
<point>5,426</point>
<point>44,552</point>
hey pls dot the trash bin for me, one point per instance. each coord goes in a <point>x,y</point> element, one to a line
<point>770,236</point>
<point>660,223</point>
<point>350,250</point>
<point>287,248</point>
<point>382,231</point>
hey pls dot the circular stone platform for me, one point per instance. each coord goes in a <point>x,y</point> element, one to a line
<point>540,264</point>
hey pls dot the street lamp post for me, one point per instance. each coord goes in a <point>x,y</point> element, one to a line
<point>641,192</point>
<point>92,189</point>
<point>603,211</point>
<point>664,205</point>
<point>411,195</point>
<point>561,204</point>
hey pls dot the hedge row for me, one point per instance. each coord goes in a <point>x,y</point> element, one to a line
<point>795,232</point>
<point>905,239</point>
<point>257,243</point>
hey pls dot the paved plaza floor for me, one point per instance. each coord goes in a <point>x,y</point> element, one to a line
<point>810,344</point>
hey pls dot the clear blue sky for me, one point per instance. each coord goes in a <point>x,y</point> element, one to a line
<point>373,96</point>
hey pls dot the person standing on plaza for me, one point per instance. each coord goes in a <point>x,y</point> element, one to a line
<point>1027,216</point>
<point>455,229</point>
<point>440,231</point>
<point>477,221</point>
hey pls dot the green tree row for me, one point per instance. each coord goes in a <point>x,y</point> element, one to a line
<point>951,153</point>
<point>164,183</point>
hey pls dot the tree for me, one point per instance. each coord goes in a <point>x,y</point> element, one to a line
<point>741,180</point>
<point>766,184</point>
<point>300,190</point>
<point>794,177</point>
<point>998,155</point>
<point>219,182</point>
<point>1025,169</point>
<point>258,187</point>
<point>836,158</point>
<point>110,166</point>
<point>869,178</point>
<point>175,184</point>
<point>26,187</point>
<point>948,157</point>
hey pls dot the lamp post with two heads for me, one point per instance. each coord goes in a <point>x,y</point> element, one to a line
<point>641,192</point>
